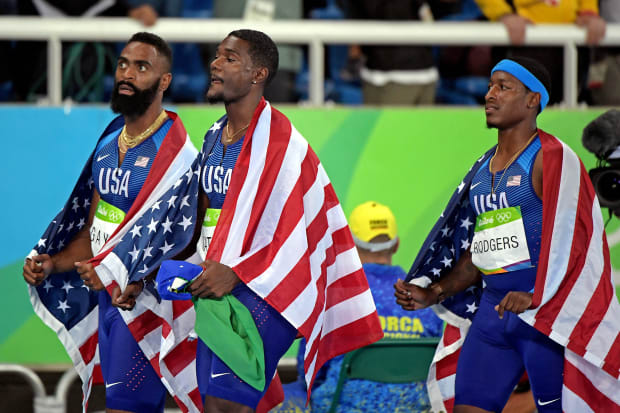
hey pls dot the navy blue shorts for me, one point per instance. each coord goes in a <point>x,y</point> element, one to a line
<point>216,379</point>
<point>130,380</point>
<point>495,354</point>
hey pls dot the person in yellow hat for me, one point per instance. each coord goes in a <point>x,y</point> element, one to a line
<point>375,234</point>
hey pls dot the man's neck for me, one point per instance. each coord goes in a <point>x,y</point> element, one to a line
<point>136,126</point>
<point>511,140</point>
<point>375,258</point>
<point>240,112</point>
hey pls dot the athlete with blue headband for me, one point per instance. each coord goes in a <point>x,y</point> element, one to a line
<point>505,196</point>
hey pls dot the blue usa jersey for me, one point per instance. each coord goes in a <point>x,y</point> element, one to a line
<point>120,185</point>
<point>217,171</point>
<point>512,187</point>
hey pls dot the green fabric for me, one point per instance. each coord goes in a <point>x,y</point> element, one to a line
<point>228,329</point>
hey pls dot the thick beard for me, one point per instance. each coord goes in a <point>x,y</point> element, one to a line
<point>135,105</point>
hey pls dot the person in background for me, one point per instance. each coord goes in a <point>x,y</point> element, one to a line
<point>84,63</point>
<point>518,14</point>
<point>604,74</point>
<point>373,226</point>
<point>394,75</point>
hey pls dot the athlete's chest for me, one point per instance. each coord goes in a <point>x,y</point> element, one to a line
<point>217,171</point>
<point>124,179</point>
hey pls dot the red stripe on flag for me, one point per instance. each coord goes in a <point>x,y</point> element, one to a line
<point>451,334</point>
<point>551,190</point>
<point>579,384</point>
<point>236,183</point>
<point>582,237</point>
<point>612,366</point>
<point>279,139</point>
<point>272,397</point>
<point>447,366</point>
<point>89,347</point>
<point>594,312</point>
<point>144,324</point>
<point>260,261</point>
<point>346,287</point>
<point>196,398</point>
<point>449,404</point>
<point>344,339</point>
<point>291,286</point>
<point>181,356</point>
<point>180,404</point>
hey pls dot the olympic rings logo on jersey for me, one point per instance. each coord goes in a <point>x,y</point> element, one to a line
<point>115,216</point>
<point>503,217</point>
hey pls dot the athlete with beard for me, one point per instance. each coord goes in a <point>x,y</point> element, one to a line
<point>120,165</point>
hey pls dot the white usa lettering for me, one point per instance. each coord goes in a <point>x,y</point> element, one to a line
<point>114,181</point>
<point>216,179</point>
<point>490,202</point>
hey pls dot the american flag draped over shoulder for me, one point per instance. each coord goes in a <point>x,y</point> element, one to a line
<point>158,225</point>
<point>450,237</point>
<point>283,232</point>
<point>574,301</point>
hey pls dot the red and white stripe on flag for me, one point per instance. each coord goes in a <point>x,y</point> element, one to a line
<point>163,328</point>
<point>283,232</point>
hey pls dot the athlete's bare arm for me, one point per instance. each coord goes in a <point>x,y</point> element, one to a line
<point>464,275</point>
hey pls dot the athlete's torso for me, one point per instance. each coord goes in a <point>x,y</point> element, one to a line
<point>120,185</point>
<point>217,171</point>
<point>512,188</point>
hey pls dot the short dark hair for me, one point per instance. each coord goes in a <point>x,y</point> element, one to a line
<point>162,47</point>
<point>263,51</point>
<point>536,68</point>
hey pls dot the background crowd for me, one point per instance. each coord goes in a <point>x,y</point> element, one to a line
<point>354,74</point>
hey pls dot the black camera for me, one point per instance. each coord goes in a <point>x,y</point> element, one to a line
<point>602,138</point>
<point>606,181</point>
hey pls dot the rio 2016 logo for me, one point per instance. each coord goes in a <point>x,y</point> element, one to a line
<point>503,216</point>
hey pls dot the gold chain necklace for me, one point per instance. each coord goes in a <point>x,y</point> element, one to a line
<point>508,164</point>
<point>126,141</point>
<point>229,137</point>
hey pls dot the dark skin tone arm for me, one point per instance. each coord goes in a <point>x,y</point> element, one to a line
<point>217,279</point>
<point>411,297</point>
<point>465,274</point>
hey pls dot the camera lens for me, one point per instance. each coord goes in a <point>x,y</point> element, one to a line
<point>608,187</point>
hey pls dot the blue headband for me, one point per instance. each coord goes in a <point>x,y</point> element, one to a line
<point>526,77</point>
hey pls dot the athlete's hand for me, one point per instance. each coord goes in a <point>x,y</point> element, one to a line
<point>88,274</point>
<point>411,297</point>
<point>215,281</point>
<point>145,14</point>
<point>37,268</point>
<point>127,299</point>
<point>515,25</point>
<point>515,302</point>
<point>595,27</point>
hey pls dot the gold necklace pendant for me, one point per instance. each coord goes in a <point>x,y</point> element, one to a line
<point>132,141</point>
<point>229,137</point>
